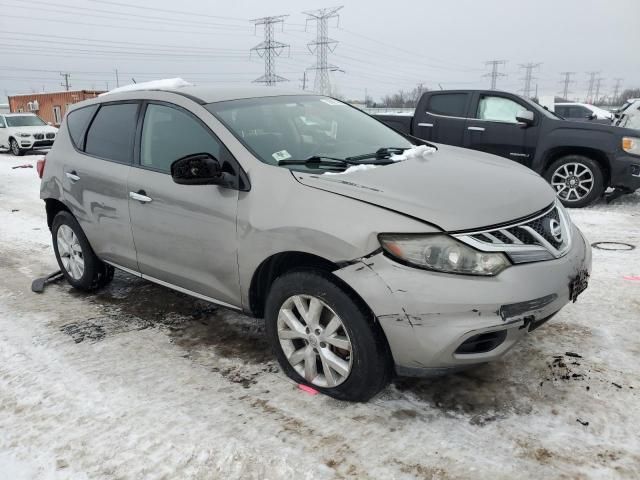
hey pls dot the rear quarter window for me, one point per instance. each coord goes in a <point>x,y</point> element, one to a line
<point>449,104</point>
<point>112,131</point>
<point>77,122</point>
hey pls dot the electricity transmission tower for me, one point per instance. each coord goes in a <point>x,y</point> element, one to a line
<point>592,82</point>
<point>494,74</point>
<point>567,81</point>
<point>528,77</point>
<point>616,89</point>
<point>269,49</point>
<point>597,92</point>
<point>66,77</point>
<point>322,46</point>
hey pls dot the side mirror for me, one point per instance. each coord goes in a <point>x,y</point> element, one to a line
<point>525,118</point>
<point>592,116</point>
<point>200,169</point>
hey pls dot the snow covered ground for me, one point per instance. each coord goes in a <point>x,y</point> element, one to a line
<point>138,382</point>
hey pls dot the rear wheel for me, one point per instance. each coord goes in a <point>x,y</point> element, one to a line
<point>79,264</point>
<point>325,338</point>
<point>577,180</point>
<point>15,148</point>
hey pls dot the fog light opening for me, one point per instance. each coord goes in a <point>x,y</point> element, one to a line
<point>482,343</point>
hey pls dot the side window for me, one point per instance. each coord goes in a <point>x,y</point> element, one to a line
<point>450,104</point>
<point>77,122</point>
<point>112,131</point>
<point>498,109</point>
<point>578,111</point>
<point>169,134</point>
<point>2,124</point>
<point>562,111</point>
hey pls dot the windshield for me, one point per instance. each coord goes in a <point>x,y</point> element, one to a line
<point>303,126</point>
<point>24,121</point>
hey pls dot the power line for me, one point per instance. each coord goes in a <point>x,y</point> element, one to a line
<point>494,74</point>
<point>322,46</point>
<point>269,49</point>
<point>528,77</point>
<point>567,81</point>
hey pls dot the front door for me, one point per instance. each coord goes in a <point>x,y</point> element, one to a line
<point>494,129</point>
<point>185,235</point>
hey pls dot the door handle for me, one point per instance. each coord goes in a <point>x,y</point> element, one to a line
<point>476,129</point>
<point>425,125</point>
<point>140,196</point>
<point>72,175</point>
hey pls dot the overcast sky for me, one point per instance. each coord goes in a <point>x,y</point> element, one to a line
<point>383,45</point>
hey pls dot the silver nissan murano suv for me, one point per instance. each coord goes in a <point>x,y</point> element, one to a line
<point>367,252</point>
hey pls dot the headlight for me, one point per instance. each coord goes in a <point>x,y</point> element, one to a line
<point>442,253</point>
<point>631,145</point>
<point>24,135</point>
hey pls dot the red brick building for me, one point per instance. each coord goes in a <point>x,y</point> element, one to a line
<point>51,107</point>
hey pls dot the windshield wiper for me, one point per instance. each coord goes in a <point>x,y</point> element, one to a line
<point>381,153</point>
<point>318,160</point>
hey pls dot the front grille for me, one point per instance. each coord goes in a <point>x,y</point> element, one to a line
<point>43,143</point>
<point>38,136</point>
<point>545,236</point>
<point>51,135</point>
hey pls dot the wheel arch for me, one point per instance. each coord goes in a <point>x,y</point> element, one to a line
<point>594,154</point>
<point>53,206</point>
<point>284,262</point>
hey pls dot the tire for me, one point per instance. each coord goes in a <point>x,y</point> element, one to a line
<point>94,273</point>
<point>14,148</point>
<point>584,172</point>
<point>369,360</point>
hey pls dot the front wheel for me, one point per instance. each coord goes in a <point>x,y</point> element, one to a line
<point>15,148</point>
<point>577,180</point>
<point>79,264</point>
<point>324,337</point>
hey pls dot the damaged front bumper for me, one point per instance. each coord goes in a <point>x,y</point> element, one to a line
<point>436,322</point>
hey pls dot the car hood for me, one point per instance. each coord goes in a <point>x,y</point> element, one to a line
<point>36,129</point>
<point>453,188</point>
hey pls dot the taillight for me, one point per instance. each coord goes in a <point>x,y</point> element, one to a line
<point>40,166</point>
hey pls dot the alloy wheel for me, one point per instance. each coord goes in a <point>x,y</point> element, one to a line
<point>572,181</point>
<point>70,252</point>
<point>314,340</point>
<point>15,148</point>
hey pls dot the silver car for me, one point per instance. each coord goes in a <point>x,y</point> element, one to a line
<point>367,252</point>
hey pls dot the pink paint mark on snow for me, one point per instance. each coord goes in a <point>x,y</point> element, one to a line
<point>308,389</point>
<point>632,277</point>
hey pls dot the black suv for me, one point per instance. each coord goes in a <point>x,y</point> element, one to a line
<point>579,159</point>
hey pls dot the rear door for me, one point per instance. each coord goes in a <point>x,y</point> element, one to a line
<point>494,128</point>
<point>441,117</point>
<point>185,235</point>
<point>95,177</point>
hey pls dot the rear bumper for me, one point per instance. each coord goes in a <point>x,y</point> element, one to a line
<point>436,322</point>
<point>625,172</point>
